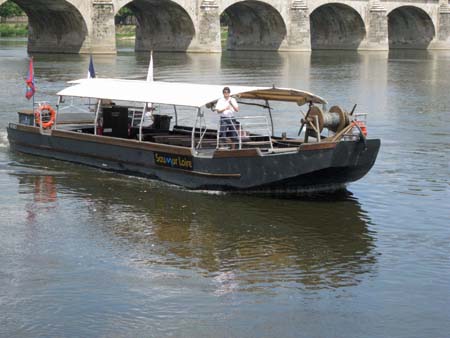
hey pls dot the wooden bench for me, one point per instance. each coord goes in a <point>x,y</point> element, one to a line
<point>210,133</point>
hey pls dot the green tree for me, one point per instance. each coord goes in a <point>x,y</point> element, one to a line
<point>125,11</point>
<point>9,9</point>
<point>123,16</point>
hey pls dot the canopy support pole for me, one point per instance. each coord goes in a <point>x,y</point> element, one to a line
<point>176,114</point>
<point>144,111</point>
<point>193,129</point>
<point>57,111</point>
<point>270,114</point>
<point>97,111</point>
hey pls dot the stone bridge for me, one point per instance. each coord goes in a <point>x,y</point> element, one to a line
<point>87,26</point>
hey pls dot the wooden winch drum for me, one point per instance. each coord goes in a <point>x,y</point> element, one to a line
<point>335,119</point>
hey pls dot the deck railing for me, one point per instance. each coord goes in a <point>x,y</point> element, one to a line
<point>245,132</point>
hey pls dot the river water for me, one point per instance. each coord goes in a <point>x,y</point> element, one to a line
<point>88,253</point>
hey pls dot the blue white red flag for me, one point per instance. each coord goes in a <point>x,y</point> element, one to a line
<point>31,89</point>
<point>91,70</point>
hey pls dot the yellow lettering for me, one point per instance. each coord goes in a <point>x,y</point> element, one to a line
<point>185,163</point>
<point>159,159</point>
<point>173,161</point>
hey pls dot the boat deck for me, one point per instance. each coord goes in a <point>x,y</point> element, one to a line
<point>181,136</point>
<point>206,143</point>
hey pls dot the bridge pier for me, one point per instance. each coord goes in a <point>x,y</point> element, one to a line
<point>442,40</point>
<point>298,33</point>
<point>376,28</point>
<point>103,33</point>
<point>208,39</point>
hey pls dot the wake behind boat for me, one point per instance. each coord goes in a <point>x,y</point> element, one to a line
<point>135,127</point>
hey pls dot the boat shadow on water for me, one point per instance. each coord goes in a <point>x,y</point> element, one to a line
<point>241,242</point>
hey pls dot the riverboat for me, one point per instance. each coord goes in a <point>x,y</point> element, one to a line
<point>330,150</point>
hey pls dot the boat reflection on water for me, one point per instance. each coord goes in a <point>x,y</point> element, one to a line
<point>43,189</point>
<point>238,242</point>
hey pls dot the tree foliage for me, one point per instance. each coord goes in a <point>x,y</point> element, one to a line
<point>10,9</point>
<point>225,19</point>
<point>125,11</point>
<point>125,16</point>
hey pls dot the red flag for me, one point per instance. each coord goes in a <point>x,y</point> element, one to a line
<point>30,81</point>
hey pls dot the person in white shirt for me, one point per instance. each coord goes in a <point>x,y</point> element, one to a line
<point>226,107</point>
<point>148,117</point>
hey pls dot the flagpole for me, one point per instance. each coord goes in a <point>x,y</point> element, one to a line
<point>32,102</point>
<point>150,68</point>
<point>148,106</point>
<point>91,75</point>
<point>32,108</point>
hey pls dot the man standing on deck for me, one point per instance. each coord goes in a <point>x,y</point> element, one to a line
<point>226,107</point>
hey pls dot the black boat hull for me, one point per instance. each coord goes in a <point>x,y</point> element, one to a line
<point>314,167</point>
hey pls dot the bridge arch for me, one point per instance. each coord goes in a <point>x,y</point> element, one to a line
<point>254,25</point>
<point>54,26</point>
<point>161,25</point>
<point>336,26</point>
<point>410,27</point>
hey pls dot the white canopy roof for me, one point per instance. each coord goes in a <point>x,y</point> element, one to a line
<point>180,94</point>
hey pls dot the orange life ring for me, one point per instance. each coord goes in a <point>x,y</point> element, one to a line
<point>362,126</point>
<point>51,111</point>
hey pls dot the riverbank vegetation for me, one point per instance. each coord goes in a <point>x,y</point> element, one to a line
<point>20,29</point>
<point>8,30</point>
<point>12,21</point>
<point>125,32</point>
<point>223,34</point>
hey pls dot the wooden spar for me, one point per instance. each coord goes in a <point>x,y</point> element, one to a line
<point>317,126</point>
<point>249,152</point>
<point>342,132</point>
<point>304,121</point>
<point>254,104</point>
<point>277,97</point>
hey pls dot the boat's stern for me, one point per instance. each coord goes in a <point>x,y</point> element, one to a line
<point>353,159</point>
